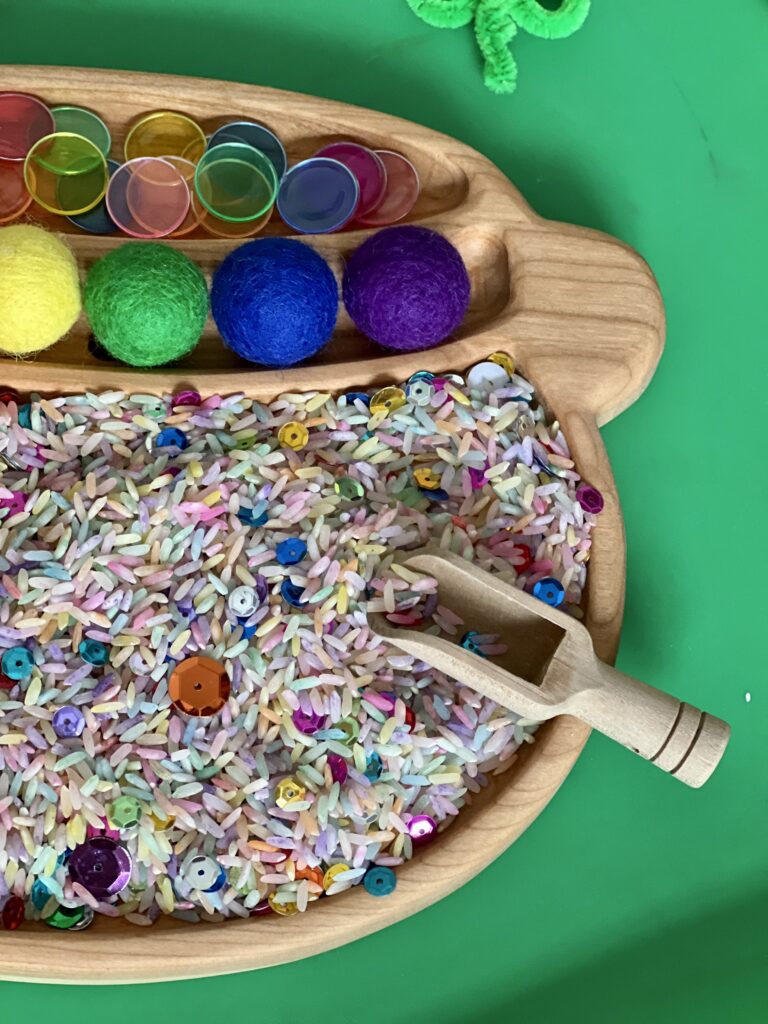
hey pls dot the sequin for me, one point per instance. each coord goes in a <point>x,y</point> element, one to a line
<point>435,494</point>
<point>379,881</point>
<point>124,812</point>
<point>13,913</point>
<point>94,652</point>
<point>350,727</point>
<point>68,722</point>
<point>338,766</point>
<point>203,874</point>
<point>293,435</point>
<point>308,722</point>
<point>289,791</point>
<point>469,642</point>
<point>388,400</point>
<point>373,767</point>
<point>186,398</point>
<point>17,663</point>
<point>292,594</point>
<point>283,909</point>
<point>426,478</point>
<point>15,504</point>
<point>422,829</point>
<point>503,360</point>
<point>171,437</point>
<point>199,686</point>
<point>101,866</point>
<point>333,873</point>
<point>243,602</point>
<point>348,488</point>
<point>487,376</point>
<point>255,517</point>
<point>358,396</point>
<point>590,499</point>
<point>550,591</point>
<point>244,442</point>
<point>291,551</point>
<point>420,392</point>
<point>524,425</point>
<point>65,918</point>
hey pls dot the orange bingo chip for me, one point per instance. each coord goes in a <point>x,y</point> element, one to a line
<point>199,686</point>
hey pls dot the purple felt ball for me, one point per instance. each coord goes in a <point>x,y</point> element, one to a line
<point>406,288</point>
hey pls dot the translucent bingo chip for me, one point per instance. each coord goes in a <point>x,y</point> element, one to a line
<point>98,221</point>
<point>367,167</point>
<point>257,135</point>
<point>236,182</point>
<point>81,121</point>
<point>192,219</point>
<point>66,173</point>
<point>24,120</point>
<point>14,195</point>
<point>165,133</point>
<point>318,195</point>
<point>227,228</point>
<point>400,193</point>
<point>148,198</point>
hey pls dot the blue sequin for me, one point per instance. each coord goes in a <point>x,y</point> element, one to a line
<point>220,882</point>
<point>248,631</point>
<point>358,396</point>
<point>256,516</point>
<point>292,594</point>
<point>438,494</point>
<point>290,551</point>
<point>550,591</point>
<point>25,416</point>
<point>171,437</point>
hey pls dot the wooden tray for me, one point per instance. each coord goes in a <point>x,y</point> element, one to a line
<point>582,316</point>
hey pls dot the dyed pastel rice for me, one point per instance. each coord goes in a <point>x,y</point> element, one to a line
<point>139,547</point>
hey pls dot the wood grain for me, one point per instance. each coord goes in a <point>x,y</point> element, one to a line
<point>550,669</point>
<point>582,316</point>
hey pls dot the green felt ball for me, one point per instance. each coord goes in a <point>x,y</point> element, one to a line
<point>147,303</point>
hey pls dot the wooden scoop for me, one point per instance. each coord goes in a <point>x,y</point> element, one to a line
<point>551,669</point>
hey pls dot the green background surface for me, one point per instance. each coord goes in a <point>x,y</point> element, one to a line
<point>632,898</point>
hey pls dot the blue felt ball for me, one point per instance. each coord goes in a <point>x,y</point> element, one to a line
<point>275,301</point>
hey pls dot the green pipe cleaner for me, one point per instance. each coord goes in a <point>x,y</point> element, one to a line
<point>496,24</point>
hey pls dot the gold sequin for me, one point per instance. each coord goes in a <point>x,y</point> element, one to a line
<point>332,873</point>
<point>388,400</point>
<point>289,791</point>
<point>293,435</point>
<point>283,909</point>
<point>426,478</point>
<point>504,361</point>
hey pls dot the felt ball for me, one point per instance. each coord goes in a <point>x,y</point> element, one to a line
<point>39,289</point>
<point>275,301</point>
<point>147,303</point>
<point>406,288</point>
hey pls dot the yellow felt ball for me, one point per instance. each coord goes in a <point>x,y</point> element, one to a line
<point>39,289</point>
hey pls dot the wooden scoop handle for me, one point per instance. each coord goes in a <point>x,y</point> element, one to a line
<point>675,736</point>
